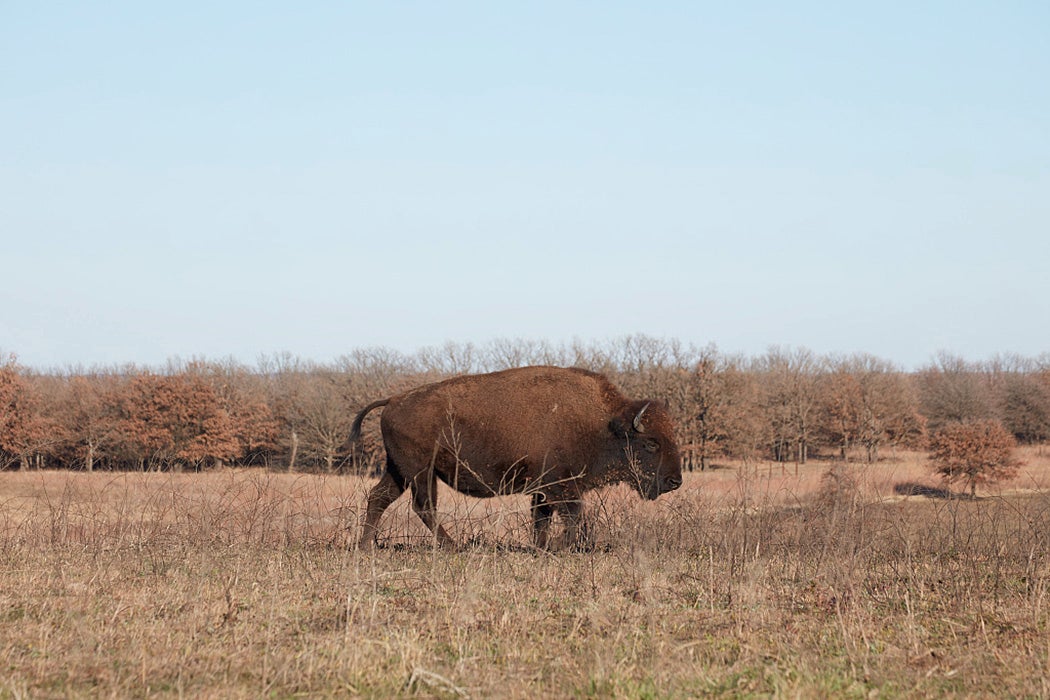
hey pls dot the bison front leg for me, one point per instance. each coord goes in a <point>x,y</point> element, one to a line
<point>542,513</point>
<point>424,502</point>
<point>577,533</point>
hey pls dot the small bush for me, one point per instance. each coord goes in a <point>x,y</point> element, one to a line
<point>974,452</point>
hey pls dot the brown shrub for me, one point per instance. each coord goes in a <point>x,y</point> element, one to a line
<point>974,452</point>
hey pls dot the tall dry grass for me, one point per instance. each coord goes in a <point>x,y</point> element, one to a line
<point>835,581</point>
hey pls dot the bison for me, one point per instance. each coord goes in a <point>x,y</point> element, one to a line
<point>550,432</point>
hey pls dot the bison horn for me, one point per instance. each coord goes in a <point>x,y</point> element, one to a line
<point>638,425</point>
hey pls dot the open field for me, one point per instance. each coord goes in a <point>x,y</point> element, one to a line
<point>749,580</point>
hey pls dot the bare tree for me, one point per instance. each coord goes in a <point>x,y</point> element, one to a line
<point>788,379</point>
<point>504,353</point>
<point>1021,393</point>
<point>285,375</point>
<point>451,359</point>
<point>89,426</point>
<point>718,410</point>
<point>867,402</point>
<point>951,390</point>
<point>365,376</point>
<point>322,416</point>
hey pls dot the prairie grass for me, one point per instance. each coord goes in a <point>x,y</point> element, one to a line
<point>840,580</point>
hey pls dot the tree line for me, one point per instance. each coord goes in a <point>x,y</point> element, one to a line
<point>788,404</point>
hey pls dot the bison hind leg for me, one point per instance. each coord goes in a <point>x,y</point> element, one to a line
<point>424,502</point>
<point>379,499</point>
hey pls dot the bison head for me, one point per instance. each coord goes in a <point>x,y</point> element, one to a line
<point>647,433</point>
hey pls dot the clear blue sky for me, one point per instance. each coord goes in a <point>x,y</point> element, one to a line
<point>239,178</point>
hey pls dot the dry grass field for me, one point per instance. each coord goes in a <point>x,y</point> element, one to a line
<point>838,581</point>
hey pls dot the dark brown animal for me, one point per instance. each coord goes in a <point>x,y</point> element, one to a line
<point>550,432</point>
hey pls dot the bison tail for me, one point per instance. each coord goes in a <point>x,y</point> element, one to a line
<point>355,429</point>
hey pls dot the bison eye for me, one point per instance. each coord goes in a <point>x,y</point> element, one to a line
<point>651,445</point>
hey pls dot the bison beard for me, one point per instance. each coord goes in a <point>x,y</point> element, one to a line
<point>550,432</point>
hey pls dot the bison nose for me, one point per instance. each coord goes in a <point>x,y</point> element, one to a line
<point>672,483</point>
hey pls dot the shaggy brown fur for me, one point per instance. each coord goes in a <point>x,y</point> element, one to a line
<point>550,432</point>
